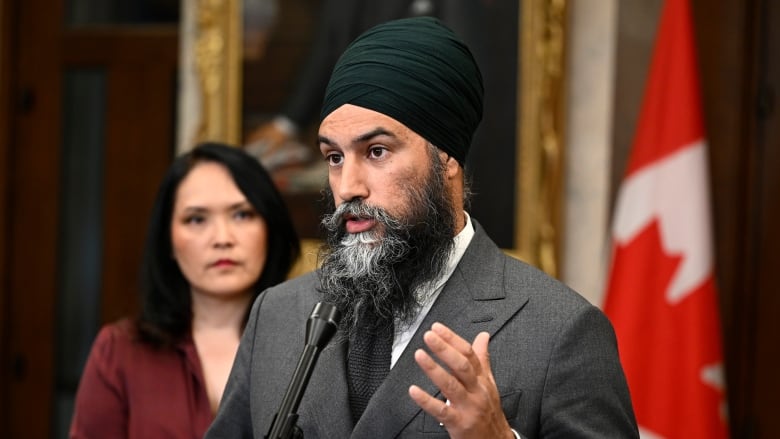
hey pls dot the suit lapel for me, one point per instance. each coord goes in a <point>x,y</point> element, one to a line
<point>324,407</point>
<point>473,300</point>
<point>325,404</point>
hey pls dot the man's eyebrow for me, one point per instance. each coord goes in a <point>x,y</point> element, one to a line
<point>373,133</point>
<point>361,138</point>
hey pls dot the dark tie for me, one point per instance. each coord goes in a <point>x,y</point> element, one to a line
<point>368,363</point>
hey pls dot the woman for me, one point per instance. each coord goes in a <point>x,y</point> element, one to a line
<point>219,234</point>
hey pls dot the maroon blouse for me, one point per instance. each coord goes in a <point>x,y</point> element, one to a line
<point>131,390</point>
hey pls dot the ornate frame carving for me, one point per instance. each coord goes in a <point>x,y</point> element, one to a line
<point>540,133</point>
<point>540,116</point>
<point>217,58</point>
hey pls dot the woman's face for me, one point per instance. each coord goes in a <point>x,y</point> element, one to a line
<point>218,239</point>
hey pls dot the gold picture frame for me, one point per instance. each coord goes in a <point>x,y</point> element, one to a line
<point>539,153</point>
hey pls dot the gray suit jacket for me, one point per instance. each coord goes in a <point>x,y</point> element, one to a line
<point>553,355</point>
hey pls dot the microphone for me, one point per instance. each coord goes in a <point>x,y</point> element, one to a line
<point>320,327</point>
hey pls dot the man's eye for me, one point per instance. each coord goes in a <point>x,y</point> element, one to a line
<point>334,159</point>
<point>377,152</point>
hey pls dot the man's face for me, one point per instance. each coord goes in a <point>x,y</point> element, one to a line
<point>372,157</point>
<point>392,221</point>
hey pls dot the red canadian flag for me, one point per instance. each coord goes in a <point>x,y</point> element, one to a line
<point>661,295</point>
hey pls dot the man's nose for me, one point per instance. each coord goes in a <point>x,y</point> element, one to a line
<point>351,181</point>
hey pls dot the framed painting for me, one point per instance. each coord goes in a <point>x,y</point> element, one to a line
<point>247,57</point>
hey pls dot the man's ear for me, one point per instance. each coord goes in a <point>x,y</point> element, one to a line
<point>453,167</point>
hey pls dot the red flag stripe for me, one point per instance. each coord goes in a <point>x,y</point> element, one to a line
<point>673,85</point>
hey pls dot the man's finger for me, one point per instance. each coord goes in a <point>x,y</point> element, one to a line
<point>434,407</point>
<point>480,347</point>
<point>461,365</point>
<point>459,343</point>
<point>447,334</point>
<point>449,385</point>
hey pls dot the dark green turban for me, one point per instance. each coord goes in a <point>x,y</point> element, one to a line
<point>417,71</point>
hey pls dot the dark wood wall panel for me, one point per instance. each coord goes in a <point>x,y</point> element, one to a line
<point>5,136</point>
<point>139,147</point>
<point>141,66</point>
<point>32,231</point>
<point>765,187</point>
<point>723,42</point>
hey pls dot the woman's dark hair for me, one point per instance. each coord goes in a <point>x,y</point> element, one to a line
<point>166,310</point>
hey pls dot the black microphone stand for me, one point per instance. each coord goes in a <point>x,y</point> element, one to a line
<point>320,327</point>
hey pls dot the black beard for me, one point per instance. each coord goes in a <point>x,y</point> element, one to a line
<point>374,277</point>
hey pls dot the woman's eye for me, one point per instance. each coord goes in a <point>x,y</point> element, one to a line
<point>245,214</point>
<point>194,219</point>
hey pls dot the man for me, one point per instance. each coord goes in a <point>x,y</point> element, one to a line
<point>478,344</point>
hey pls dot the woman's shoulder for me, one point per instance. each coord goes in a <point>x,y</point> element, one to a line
<point>118,344</point>
<point>124,330</point>
<point>116,337</point>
